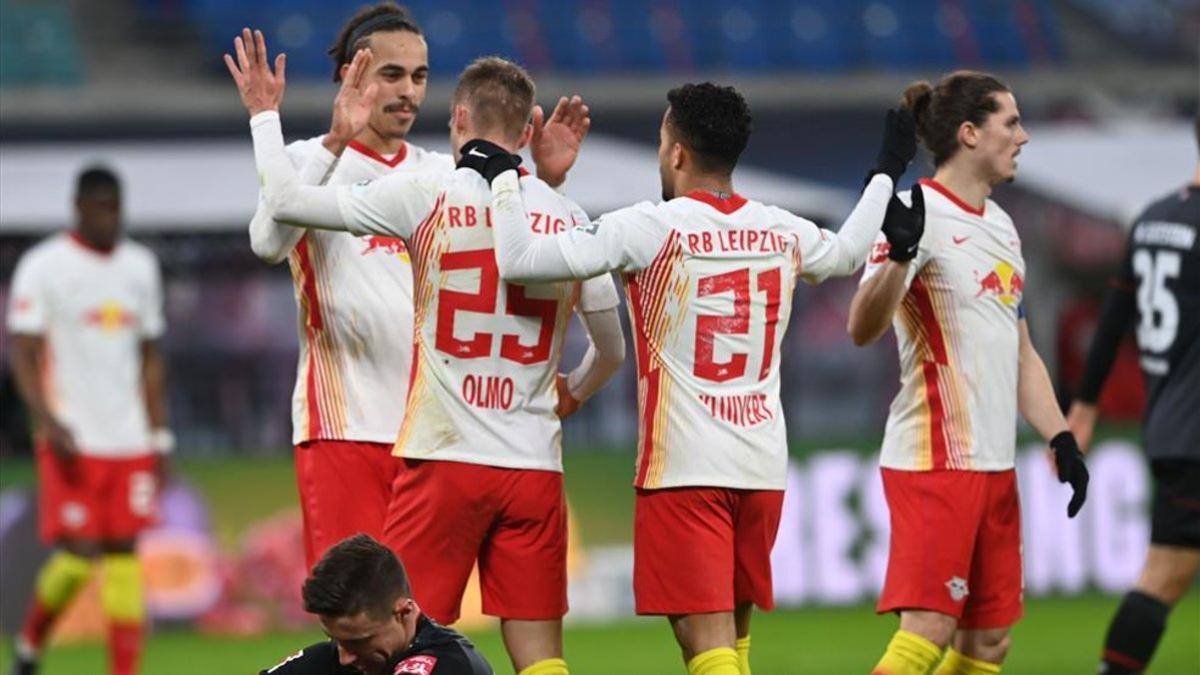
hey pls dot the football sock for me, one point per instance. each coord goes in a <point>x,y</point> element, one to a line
<point>908,654</point>
<point>59,580</point>
<point>957,663</point>
<point>719,661</point>
<point>546,667</point>
<point>743,652</point>
<point>121,593</point>
<point>1133,634</point>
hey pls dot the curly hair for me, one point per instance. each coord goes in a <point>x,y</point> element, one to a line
<point>961,96</point>
<point>712,121</point>
<point>381,17</point>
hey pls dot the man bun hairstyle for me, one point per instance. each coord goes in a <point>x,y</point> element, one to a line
<point>713,122</point>
<point>939,110</point>
<point>358,574</point>
<point>384,17</point>
<point>96,178</point>
<point>499,94</point>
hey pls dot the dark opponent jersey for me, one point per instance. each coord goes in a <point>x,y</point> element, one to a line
<point>436,650</point>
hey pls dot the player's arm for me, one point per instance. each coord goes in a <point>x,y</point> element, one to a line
<point>886,280</point>
<point>1039,407</point>
<point>28,319</point>
<point>271,240</point>
<point>1116,315</point>
<point>597,310</point>
<point>154,368</point>
<point>555,143</point>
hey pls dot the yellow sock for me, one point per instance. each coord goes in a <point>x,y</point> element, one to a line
<point>743,652</point>
<point>719,661</point>
<point>546,667</point>
<point>908,654</point>
<point>955,663</point>
<point>121,591</point>
<point>61,578</point>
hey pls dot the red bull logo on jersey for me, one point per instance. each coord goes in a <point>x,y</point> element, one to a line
<point>1003,283</point>
<point>389,245</point>
<point>416,665</point>
<point>110,316</point>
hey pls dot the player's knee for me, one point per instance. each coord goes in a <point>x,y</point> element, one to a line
<point>936,627</point>
<point>1167,578</point>
<point>84,548</point>
<point>987,645</point>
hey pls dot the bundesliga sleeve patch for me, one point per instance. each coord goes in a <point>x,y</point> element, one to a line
<point>416,665</point>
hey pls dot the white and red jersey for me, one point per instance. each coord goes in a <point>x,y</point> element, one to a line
<point>354,299</point>
<point>93,309</point>
<point>486,352</point>
<point>709,282</point>
<point>957,330</point>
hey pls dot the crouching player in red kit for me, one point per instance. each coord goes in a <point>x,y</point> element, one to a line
<point>709,276</point>
<point>967,368</point>
<point>86,315</point>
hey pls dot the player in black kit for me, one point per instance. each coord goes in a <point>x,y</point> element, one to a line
<point>1158,287</point>
<point>360,592</point>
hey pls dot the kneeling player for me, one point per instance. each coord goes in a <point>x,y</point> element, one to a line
<point>361,594</point>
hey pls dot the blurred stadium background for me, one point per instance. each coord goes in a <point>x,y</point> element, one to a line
<point>1108,89</point>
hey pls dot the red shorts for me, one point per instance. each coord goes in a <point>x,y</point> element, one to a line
<point>95,498</point>
<point>344,489</point>
<point>703,549</point>
<point>445,517</point>
<point>956,546</point>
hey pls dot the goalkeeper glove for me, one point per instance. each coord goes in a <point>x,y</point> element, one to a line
<point>1071,469</point>
<point>904,225</point>
<point>489,159</point>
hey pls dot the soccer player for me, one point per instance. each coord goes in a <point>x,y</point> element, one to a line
<point>1158,284</point>
<point>86,317</point>
<point>361,594</point>
<point>480,439</point>
<point>967,368</point>
<point>709,277</point>
<point>354,294</point>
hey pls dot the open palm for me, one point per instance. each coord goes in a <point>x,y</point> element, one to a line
<point>260,88</point>
<point>355,100</point>
<point>555,143</point>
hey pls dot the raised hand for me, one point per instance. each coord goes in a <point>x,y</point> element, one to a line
<point>899,144</point>
<point>904,226</point>
<point>354,103</point>
<point>555,143</point>
<point>260,88</point>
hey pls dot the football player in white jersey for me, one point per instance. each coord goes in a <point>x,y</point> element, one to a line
<point>968,368</point>
<point>709,277</point>
<point>480,439</point>
<point>354,293</point>
<point>85,317</point>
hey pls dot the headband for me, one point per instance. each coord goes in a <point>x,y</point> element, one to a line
<point>398,21</point>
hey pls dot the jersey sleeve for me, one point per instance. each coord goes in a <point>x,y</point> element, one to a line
<point>28,303</point>
<point>598,294</point>
<point>825,253</point>
<point>625,240</point>
<point>392,205</point>
<point>271,240</point>
<point>152,323</point>
<point>878,256</point>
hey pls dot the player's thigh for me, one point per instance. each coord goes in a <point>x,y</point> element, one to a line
<point>683,550</point>
<point>756,522</point>
<point>129,503</point>
<point>437,517</point>
<point>523,560</point>
<point>1175,515</point>
<point>68,494</point>
<point>345,488</point>
<point>934,518</point>
<point>995,582</point>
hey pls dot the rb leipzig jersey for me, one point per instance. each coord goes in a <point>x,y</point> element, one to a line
<point>957,330</point>
<point>93,309</point>
<point>709,282</point>
<point>355,317</point>
<point>486,352</point>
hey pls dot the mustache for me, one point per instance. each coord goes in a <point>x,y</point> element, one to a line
<point>402,104</point>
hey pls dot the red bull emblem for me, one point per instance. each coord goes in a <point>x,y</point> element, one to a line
<point>109,316</point>
<point>416,665</point>
<point>1003,283</point>
<point>388,245</point>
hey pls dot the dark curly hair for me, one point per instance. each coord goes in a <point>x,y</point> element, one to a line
<point>358,574</point>
<point>381,17</point>
<point>961,96</point>
<point>712,121</point>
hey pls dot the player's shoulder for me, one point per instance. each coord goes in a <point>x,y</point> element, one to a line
<point>430,160</point>
<point>304,148</point>
<point>646,214</point>
<point>438,650</point>
<point>47,249</point>
<point>996,213</point>
<point>1180,205</point>
<point>777,217</point>
<point>318,659</point>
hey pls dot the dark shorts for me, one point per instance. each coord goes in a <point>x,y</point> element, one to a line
<point>1176,512</point>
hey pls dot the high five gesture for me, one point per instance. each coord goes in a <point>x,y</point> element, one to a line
<point>260,88</point>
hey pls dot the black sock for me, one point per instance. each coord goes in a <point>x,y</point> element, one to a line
<point>1133,634</point>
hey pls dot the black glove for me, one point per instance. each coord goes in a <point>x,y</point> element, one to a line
<point>904,225</point>
<point>489,159</point>
<point>899,144</point>
<point>1071,469</point>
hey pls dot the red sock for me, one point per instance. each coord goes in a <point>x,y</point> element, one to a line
<point>124,648</point>
<point>37,624</point>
